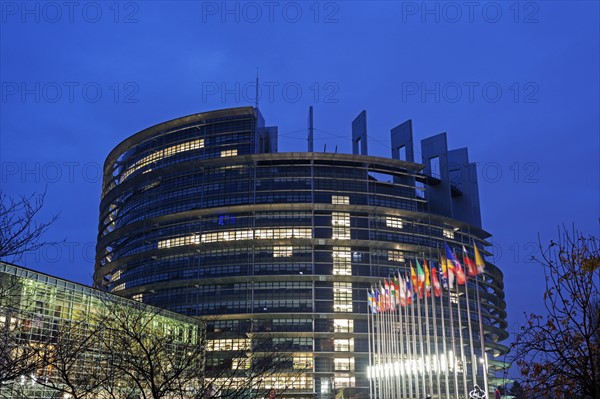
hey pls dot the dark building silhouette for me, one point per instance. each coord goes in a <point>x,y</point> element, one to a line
<point>201,215</point>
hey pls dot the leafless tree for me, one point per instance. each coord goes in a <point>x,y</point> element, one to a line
<point>20,231</point>
<point>558,354</point>
<point>72,360</point>
<point>154,358</point>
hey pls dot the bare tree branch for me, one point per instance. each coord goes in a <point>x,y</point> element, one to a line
<point>20,231</point>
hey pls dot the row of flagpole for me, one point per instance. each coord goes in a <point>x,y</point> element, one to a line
<point>409,356</point>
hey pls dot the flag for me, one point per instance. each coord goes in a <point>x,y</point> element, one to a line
<point>378,299</point>
<point>460,273</point>
<point>409,292</point>
<point>448,272</point>
<point>371,301</point>
<point>392,295</point>
<point>479,262</point>
<point>383,298</point>
<point>427,279</point>
<point>469,264</point>
<point>397,288</point>
<point>454,264</point>
<point>437,288</point>
<point>388,301</point>
<point>388,296</point>
<point>420,280</point>
<point>416,284</point>
<point>443,273</point>
<point>402,289</point>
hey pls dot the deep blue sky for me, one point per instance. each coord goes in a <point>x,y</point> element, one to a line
<point>528,105</point>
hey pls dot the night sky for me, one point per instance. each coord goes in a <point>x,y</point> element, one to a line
<point>517,83</point>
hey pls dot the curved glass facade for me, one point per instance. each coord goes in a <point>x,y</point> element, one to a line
<point>202,216</point>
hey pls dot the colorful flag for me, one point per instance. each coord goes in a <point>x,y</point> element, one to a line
<point>371,299</point>
<point>443,273</point>
<point>469,264</point>
<point>384,299</point>
<point>402,289</point>
<point>378,299</point>
<point>392,295</point>
<point>409,292</point>
<point>447,272</point>
<point>427,279</point>
<point>397,288</point>
<point>453,263</point>
<point>437,288</point>
<point>415,279</point>
<point>479,262</point>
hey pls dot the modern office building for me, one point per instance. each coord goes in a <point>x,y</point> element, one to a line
<point>58,337</point>
<point>202,215</point>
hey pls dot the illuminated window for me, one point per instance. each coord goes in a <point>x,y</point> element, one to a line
<point>340,200</point>
<point>344,364</point>
<point>343,325</point>
<point>342,263</point>
<point>448,233</point>
<point>229,153</point>
<point>164,153</point>
<point>179,241</point>
<point>138,297</point>
<point>324,386</point>
<point>341,225</point>
<point>227,344</point>
<point>119,287</point>
<point>394,222</point>
<point>240,363</point>
<point>453,297</point>
<point>342,297</point>
<point>340,233</point>
<point>340,219</point>
<point>343,345</point>
<point>303,361</point>
<point>343,382</point>
<point>237,235</point>
<point>282,252</point>
<point>116,276</point>
<point>395,256</point>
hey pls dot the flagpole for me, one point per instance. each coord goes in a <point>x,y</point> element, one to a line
<point>438,370</point>
<point>369,315</point>
<point>453,335</point>
<point>390,330</point>
<point>414,347</point>
<point>369,343</point>
<point>402,293</point>
<point>422,358</point>
<point>379,338</point>
<point>467,300</point>
<point>389,342</point>
<point>386,316</point>
<point>407,337</point>
<point>397,337</point>
<point>446,356</point>
<point>427,334</point>
<point>462,345</point>
<point>478,259</point>
<point>382,334</point>
<point>395,349</point>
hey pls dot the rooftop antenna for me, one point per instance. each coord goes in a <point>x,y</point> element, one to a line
<point>310,129</point>
<point>256,95</point>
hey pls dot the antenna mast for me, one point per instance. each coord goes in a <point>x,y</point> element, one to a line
<point>256,94</point>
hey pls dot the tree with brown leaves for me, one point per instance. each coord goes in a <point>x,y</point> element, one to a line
<point>558,354</point>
